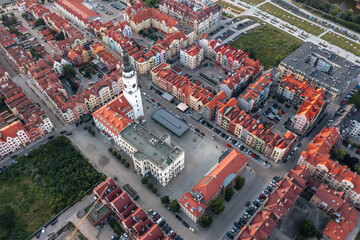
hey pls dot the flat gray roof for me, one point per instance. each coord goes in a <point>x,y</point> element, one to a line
<point>149,146</point>
<point>170,122</point>
<point>342,73</point>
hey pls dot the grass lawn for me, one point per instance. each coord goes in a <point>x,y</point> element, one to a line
<point>292,19</point>
<point>253,2</point>
<point>41,184</point>
<point>342,42</point>
<point>234,9</point>
<point>268,44</point>
<point>29,201</point>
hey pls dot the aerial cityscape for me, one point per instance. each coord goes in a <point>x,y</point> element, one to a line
<point>180,119</point>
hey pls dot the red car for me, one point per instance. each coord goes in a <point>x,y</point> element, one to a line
<point>282,112</point>
<point>253,155</point>
<point>152,100</point>
<point>173,236</point>
<point>343,101</point>
<point>163,107</point>
<point>228,145</point>
<point>262,196</point>
<point>201,133</point>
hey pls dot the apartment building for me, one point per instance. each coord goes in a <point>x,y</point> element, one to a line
<point>195,202</point>
<point>13,137</point>
<point>36,122</point>
<point>152,154</point>
<point>70,109</point>
<point>112,199</point>
<point>192,57</point>
<point>255,93</point>
<point>316,159</point>
<point>4,75</point>
<point>16,55</point>
<point>321,68</point>
<point>199,15</point>
<point>77,10</point>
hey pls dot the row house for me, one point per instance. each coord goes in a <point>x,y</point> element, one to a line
<point>118,37</point>
<point>4,75</point>
<point>107,58</point>
<point>99,28</point>
<point>276,206</point>
<point>255,92</point>
<point>17,56</point>
<point>211,107</point>
<point>12,138</point>
<point>57,63</point>
<point>316,158</point>
<point>195,202</point>
<point>283,198</point>
<point>237,122</point>
<point>33,118</point>
<point>192,57</point>
<point>110,198</point>
<point>37,10</point>
<point>181,88</point>
<point>311,107</point>
<point>70,109</point>
<point>209,15</point>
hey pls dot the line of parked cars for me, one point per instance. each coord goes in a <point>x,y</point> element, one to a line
<point>351,93</point>
<point>252,207</point>
<point>160,221</point>
<point>229,139</point>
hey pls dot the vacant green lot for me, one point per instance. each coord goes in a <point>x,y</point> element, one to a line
<point>342,42</point>
<point>253,2</point>
<point>292,19</point>
<point>268,44</point>
<point>233,8</point>
<point>40,185</point>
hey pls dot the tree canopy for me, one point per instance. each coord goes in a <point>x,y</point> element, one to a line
<point>217,205</point>
<point>205,220</point>
<point>174,205</point>
<point>239,182</point>
<point>229,193</point>
<point>69,71</point>
<point>338,154</point>
<point>165,199</point>
<point>307,229</point>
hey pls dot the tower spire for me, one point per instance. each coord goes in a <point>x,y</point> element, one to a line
<point>126,62</point>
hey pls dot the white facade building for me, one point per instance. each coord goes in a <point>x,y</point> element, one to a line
<point>151,154</point>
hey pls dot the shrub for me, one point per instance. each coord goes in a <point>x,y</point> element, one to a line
<point>110,150</point>
<point>229,193</point>
<point>127,165</point>
<point>154,190</point>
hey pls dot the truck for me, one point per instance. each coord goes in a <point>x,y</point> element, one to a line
<point>131,192</point>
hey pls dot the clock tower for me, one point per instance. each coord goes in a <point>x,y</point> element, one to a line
<point>131,89</point>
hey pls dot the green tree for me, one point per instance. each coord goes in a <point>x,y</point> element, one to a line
<point>39,22</point>
<point>165,199</point>
<point>239,182</point>
<point>307,229</point>
<point>149,185</point>
<point>335,9</point>
<point>154,190</point>
<point>69,71</point>
<point>347,15</point>
<point>127,165</point>
<point>338,154</point>
<point>205,220</point>
<point>174,206</point>
<point>144,180</point>
<point>7,220</point>
<point>229,193</point>
<point>110,149</point>
<point>217,205</point>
